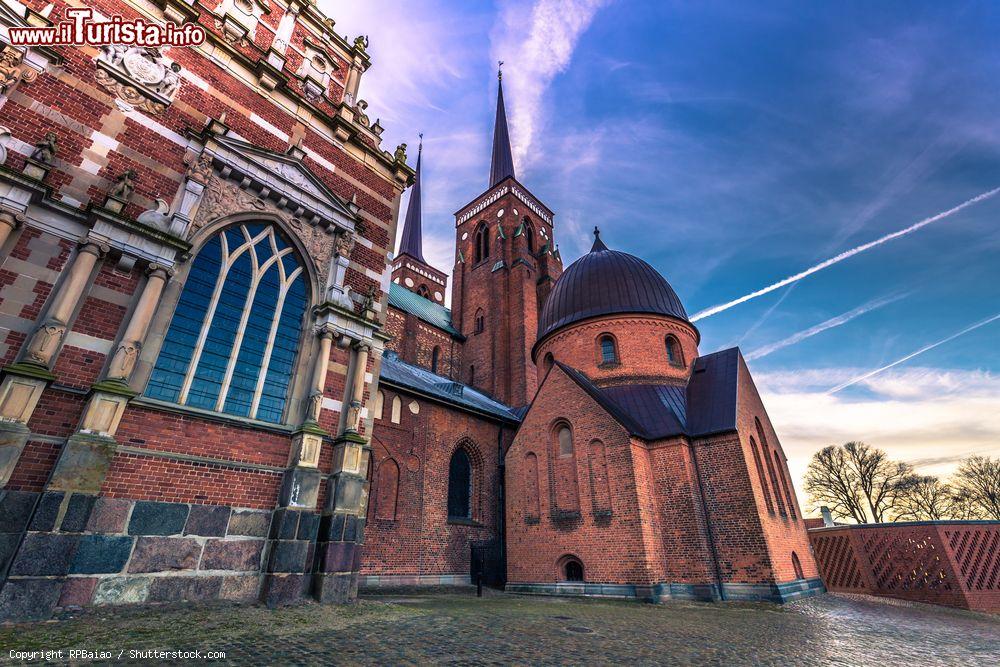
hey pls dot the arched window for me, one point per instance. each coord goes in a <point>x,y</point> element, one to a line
<point>675,357</point>
<point>565,437</point>
<point>608,350</point>
<point>784,486</point>
<point>460,486</point>
<point>548,361</point>
<point>600,485</point>
<point>760,475</point>
<point>766,453</point>
<point>479,324</point>
<point>379,404</point>
<point>797,566</point>
<point>472,374</point>
<point>482,242</point>
<point>233,339</point>
<point>424,292</point>
<point>572,569</point>
<point>529,236</point>
<point>435,358</point>
<point>397,409</point>
<point>387,490</point>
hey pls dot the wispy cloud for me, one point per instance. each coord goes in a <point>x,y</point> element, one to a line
<point>536,42</point>
<point>847,254</point>
<point>902,360</point>
<point>831,323</point>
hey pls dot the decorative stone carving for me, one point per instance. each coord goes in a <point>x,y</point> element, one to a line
<point>139,76</point>
<point>45,342</point>
<point>225,197</point>
<point>345,243</point>
<point>361,42</point>
<point>13,70</point>
<point>200,171</point>
<point>158,217</point>
<point>400,154</point>
<point>359,113</point>
<point>46,149</point>
<point>4,135</point>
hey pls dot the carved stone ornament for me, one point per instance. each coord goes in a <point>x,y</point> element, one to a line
<point>345,243</point>
<point>139,76</point>
<point>13,70</point>
<point>225,198</point>
<point>359,113</point>
<point>46,149</point>
<point>200,171</point>
<point>45,342</point>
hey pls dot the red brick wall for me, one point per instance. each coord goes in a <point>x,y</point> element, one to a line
<point>414,341</point>
<point>420,540</point>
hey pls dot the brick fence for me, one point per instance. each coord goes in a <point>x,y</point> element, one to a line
<point>953,563</point>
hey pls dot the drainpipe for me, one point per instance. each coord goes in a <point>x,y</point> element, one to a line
<point>708,522</point>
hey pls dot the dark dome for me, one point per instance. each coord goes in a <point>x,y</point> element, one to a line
<point>604,282</point>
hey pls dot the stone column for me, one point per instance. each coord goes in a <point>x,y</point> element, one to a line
<point>24,382</point>
<point>9,221</point>
<point>47,338</point>
<point>341,531</point>
<point>294,526</point>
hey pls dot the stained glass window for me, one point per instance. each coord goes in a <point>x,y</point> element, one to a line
<point>233,339</point>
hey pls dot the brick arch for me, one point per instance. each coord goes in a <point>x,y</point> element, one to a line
<point>477,463</point>
<point>566,559</point>
<point>387,480</point>
<point>564,485</point>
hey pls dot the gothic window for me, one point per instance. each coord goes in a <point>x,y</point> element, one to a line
<point>565,439</point>
<point>482,242</point>
<point>460,486</point>
<point>397,409</point>
<point>232,343</point>
<point>760,475</point>
<point>387,490</point>
<point>435,359</point>
<point>674,355</point>
<point>765,452</point>
<point>424,292</point>
<point>797,566</point>
<point>784,486</point>
<point>529,236</point>
<point>480,322</point>
<point>379,404</point>
<point>608,350</point>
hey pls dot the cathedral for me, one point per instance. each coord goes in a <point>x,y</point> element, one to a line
<point>219,381</point>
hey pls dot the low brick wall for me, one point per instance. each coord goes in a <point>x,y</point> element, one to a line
<point>953,563</point>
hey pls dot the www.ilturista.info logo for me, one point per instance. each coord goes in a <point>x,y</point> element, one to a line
<point>80,29</point>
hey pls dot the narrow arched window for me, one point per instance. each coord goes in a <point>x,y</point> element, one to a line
<point>472,374</point>
<point>765,452</point>
<point>435,359</point>
<point>674,355</point>
<point>547,362</point>
<point>797,566</point>
<point>482,242</point>
<point>609,353</point>
<point>784,486</point>
<point>531,491</point>
<point>460,486</point>
<point>232,342</point>
<point>397,410</point>
<point>760,475</point>
<point>565,439</point>
<point>479,324</point>
<point>379,404</point>
<point>387,490</point>
<point>529,236</point>
<point>424,292</point>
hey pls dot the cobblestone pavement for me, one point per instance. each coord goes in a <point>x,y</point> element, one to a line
<point>449,628</point>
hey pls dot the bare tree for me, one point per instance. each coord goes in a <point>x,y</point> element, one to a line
<point>831,481</point>
<point>977,480</point>
<point>856,482</point>
<point>924,498</point>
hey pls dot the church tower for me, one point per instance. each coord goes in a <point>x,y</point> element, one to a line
<point>410,269</point>
<point>505,265</point>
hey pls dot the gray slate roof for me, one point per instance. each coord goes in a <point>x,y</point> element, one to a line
<point>398,373</point>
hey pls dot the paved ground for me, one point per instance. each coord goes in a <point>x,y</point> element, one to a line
<point>505,629</point>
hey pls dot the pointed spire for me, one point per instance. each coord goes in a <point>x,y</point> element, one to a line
<point>598,243</point>
<point>503,162</point>
<point>412,243</point>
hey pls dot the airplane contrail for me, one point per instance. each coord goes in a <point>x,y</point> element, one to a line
<point>925,348</point>
<point>831,323</point>
<point>708,312</point>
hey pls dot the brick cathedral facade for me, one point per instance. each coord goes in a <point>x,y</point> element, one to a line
<point>219,381</point>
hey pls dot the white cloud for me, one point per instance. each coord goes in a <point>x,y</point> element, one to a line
<point>930,417</point>
<point>536,43</point>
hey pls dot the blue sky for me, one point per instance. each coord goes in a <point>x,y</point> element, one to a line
<point>732,146</point>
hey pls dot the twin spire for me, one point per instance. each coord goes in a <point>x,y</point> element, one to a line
<point>501,167</point>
